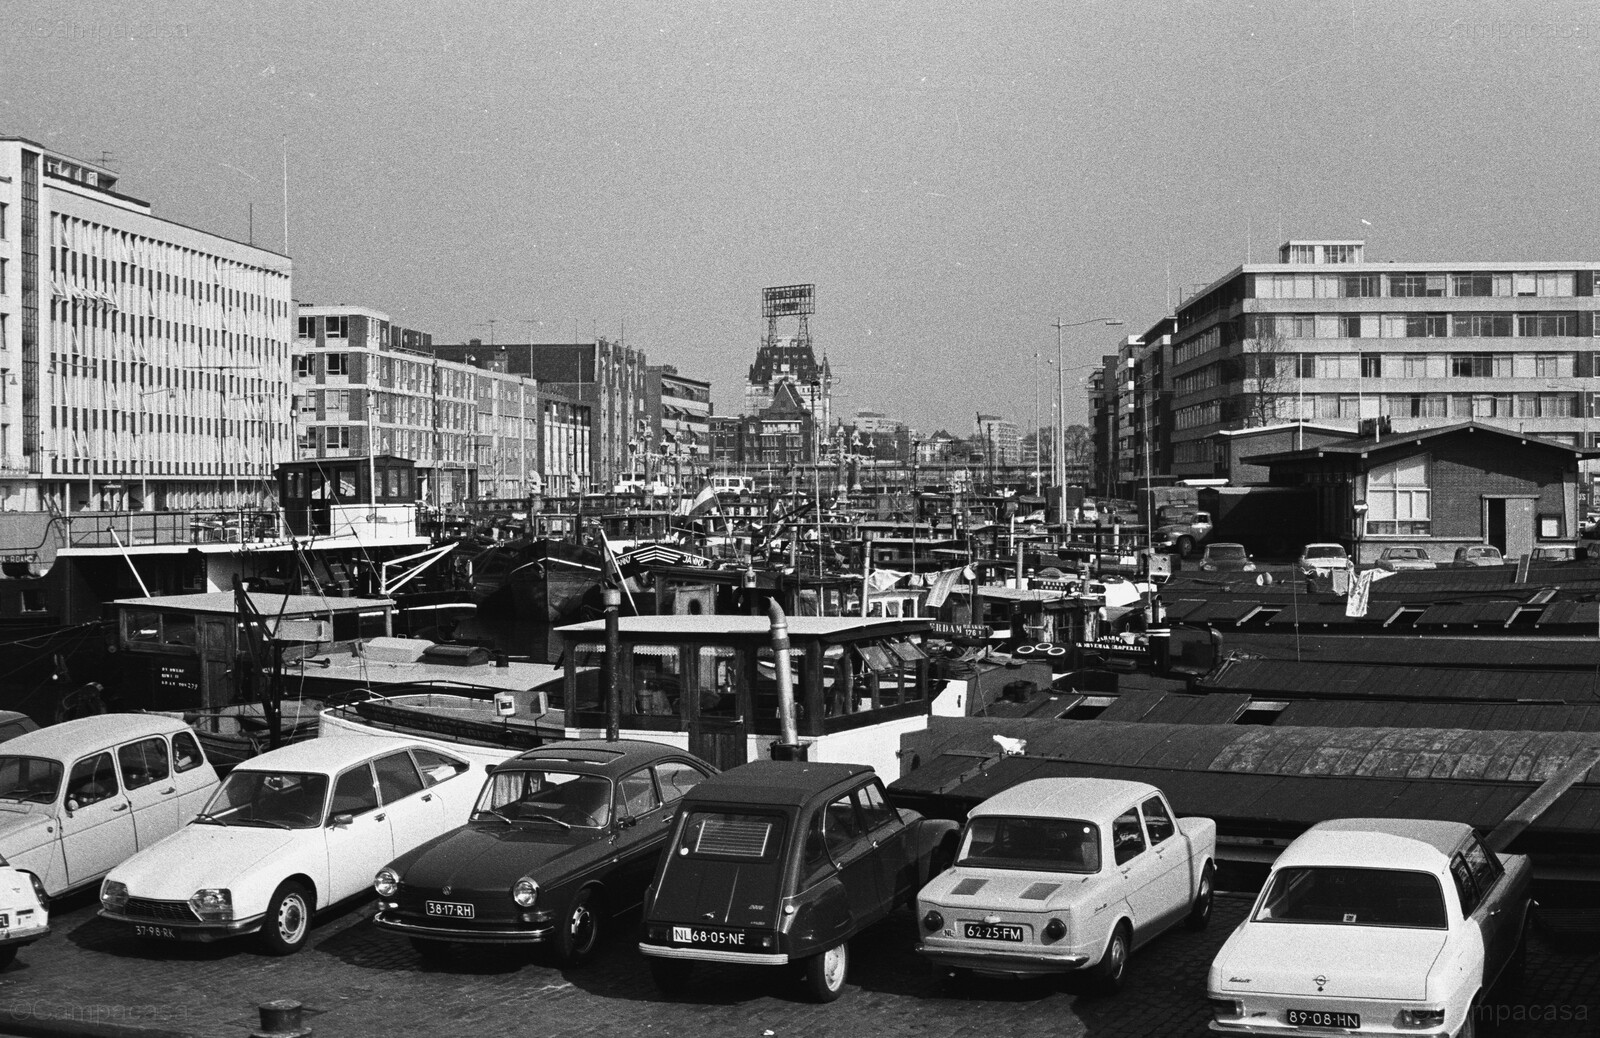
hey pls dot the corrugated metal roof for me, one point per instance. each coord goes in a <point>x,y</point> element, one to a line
<point>1482,648</point>
<point>1224,610</point>
<point>1564,612</point>
<point>1481,614</point>
<point>1327,613</point>
<point>1326,679</point>
<point>1523,717</point>
<point>1175,708</point>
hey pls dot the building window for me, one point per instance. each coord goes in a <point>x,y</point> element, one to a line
<point>306,403</point>
<point>1425,326</point>
<point>1472,284</point>
<point>1371,365</point>
<point>338,363</point>
<point>336,327</point>
<point>1339,254</point>
<point>302,367</point>
<point>1481,325</point>
<point>1399,501</point>
<point>306,328</point>
<point>1416,285</point>
<point>1480,365</point>
<point>1530,325</point>
<point>337,437</point>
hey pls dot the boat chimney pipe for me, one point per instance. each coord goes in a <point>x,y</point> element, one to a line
<point>789,748</point>
<point>608,665</point>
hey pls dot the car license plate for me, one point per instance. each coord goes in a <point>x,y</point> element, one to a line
<point>1324,1018</point>
<point>165,932</point>
<point>992,932</point>
<point>454,909</point>
<point>699,938</point>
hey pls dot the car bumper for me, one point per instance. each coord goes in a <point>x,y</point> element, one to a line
<point>1006,960</point>
<point>186,931</point>
<point>662,951</point>
<point>17,936</point>
<point>1232,1027</point>
<point>487,935</point>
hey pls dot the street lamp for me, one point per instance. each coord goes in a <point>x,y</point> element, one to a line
<point>1060,466</point>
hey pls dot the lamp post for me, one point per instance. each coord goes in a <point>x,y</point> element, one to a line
<point>1059,468</point>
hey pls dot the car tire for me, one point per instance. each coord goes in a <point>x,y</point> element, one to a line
<point>671,976</point>
<point>955,979</point>
<point>288,922</point>
<point>1200,911</point>
<point>1516,967</point>
<point>430,949</point>
<point>8,955</point>
<point>580,929</point>
<point>825,973</point>
<point>1469,1026</point>
<point>1112,968</point>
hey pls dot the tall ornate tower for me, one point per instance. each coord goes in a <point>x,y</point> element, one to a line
<point>789,358</point>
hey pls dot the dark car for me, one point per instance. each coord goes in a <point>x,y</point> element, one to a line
<point>561,839</point>
<point>779,862</point>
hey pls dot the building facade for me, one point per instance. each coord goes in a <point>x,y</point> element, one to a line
<point>1325,336</point>
<point>143,364</point>
<point>997,440</point>
<point>679,407</point>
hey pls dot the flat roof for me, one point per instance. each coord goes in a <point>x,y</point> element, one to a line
<point>268,605</point>
<point>740,626</point>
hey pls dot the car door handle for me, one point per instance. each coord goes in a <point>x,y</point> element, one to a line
<point>427,798</point>
<point>120,807</point>
<point>379,818</point>
<point>1125,869</point>
<point>169,789</point>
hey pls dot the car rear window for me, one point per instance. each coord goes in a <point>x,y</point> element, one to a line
<point>1037,844</point>
<point>726,834</point>
<point>1345,896</point>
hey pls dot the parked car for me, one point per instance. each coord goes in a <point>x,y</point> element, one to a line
<point>1066,875</point>
<point>1376,925</point>
<point>1398,557</point>
<point>1555,553</point>
<point>1088,511</point>
<point>780,862</point>
<point>1472,555</point>
<point>24,912</point>
<point>79,797</point>
<point>1321,560</point>
<point>1225,557</point>
<point>13,724</point>
<point>288,832</point>
<point>561,839</point>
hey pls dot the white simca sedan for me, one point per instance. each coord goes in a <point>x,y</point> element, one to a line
<point>1382,926</point>
<point>1066,874</point>
<point>24,912</point>
<point>79,797</point>
<point>291,831</point>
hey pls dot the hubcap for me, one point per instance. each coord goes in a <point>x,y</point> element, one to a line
<point>581,927</point>
<point>833,967</point>
<point>292,919</point>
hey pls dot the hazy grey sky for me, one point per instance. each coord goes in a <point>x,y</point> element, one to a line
<point>951,176</point>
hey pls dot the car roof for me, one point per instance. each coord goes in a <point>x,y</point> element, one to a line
<point>327,754</point>
<point>1401,843</point>
<point>1323,544</point>
<point>72,739</point>
<point>594,756</point>
<point>776,783</point>
<point>1091,799</point>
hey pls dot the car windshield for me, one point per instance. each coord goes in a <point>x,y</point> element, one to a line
<point>1324,551</point>
<point>1403,553</point>
<point>29,778</point>
<point>547,796</point>
<point>1035,844</point>
<point>1340,896</point>
<point>1225,551</point>
<point>275,799</point>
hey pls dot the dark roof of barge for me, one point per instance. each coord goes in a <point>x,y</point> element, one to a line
<point>1324,679</point>
<point>1154,706</point>
<point>1273,775</point>
<point>1513,647</point>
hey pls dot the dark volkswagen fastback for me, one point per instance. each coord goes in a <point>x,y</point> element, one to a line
<point>561,839</point>
<point>779,862</point>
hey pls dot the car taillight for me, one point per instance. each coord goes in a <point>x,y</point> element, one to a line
<point>1421,1018</point>
<point>1226,1008</point>
<point>932,921</point>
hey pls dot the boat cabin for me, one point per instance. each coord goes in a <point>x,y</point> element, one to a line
<point>708,684</point>
<point>371,497</point>
<point>188,652</point>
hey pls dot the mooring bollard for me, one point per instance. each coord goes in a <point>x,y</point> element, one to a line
<point>280,1018</point>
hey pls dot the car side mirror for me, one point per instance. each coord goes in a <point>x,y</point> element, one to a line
<point>626,822</point>
<point>342,820</point>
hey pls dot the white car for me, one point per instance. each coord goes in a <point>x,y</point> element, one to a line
<point>79,797</point>
<point>24,912</point>
<point>1321,560</point>
<point>1399,557</point>
<point>1374,926</point>
<point>1064,875</point>
<point>289,832</point>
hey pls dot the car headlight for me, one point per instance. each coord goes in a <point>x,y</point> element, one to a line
<point>1421,1018</point>
<point>386,882</point>
<point>113,895</point>
<point>213,904</point>
<point>524,892</point>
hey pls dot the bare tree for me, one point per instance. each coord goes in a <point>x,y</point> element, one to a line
<point>1269,374</point>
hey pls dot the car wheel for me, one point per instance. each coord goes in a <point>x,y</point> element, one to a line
<point>1200,911</point>
<point>1469,1026</point>
<point>580,929</point>
<point>1113,967</point>
<point>430,949</point>
<point>8,955</point>
<point>1511,977</point>
<point>825,973</point>
<point>288,921</point>
<point>952,978</point>
<point>671,975</point>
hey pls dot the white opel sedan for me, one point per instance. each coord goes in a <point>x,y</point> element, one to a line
<point>1064,875</point>
<point>79,797</point>
<point>289,832</point>
<point>1374,926</point>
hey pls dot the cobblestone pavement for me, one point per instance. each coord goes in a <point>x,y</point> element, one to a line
<point>356,981</point>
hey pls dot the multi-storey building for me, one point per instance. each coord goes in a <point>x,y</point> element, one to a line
<point>1142,420</point>
<point>679,408</point>
<point>366,385</point>
<point>1325,336</point>
<point>143,364</point>
<point>996,439</point>
<point>606,378</point>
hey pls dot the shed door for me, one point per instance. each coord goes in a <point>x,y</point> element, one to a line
<point>722,741</point>
<point>1519,528</point>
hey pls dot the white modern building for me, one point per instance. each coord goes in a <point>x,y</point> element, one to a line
<point>143,364</point>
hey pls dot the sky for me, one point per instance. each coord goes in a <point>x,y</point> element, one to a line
<point>954,178</point>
